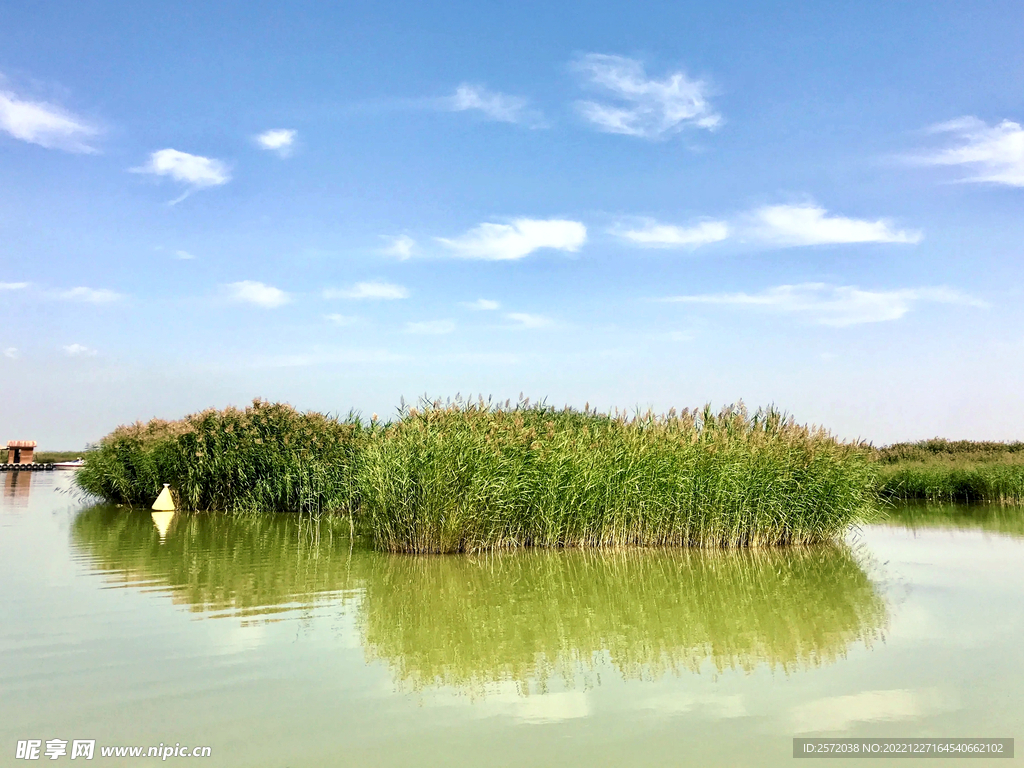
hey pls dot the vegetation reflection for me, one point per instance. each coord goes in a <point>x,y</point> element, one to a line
<point>525,617</point>
<point>531,616</point>
<point>251,565</point>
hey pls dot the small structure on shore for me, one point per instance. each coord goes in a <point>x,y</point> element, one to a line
<point>21,451</point>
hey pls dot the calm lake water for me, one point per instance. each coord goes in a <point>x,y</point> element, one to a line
<point>281,642</point>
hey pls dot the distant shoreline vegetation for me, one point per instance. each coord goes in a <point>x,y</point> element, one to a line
<point>948,470</point>
<point>471,476</point>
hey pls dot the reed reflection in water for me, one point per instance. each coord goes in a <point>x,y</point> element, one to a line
<point>226,564</point>
<point>1004,519</point>
<point>531,616</point>
<point>526,618</point>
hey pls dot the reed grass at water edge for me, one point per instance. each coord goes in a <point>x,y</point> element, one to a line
<point>460,476</point>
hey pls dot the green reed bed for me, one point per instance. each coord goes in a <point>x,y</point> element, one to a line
<point>470,477</point>
<point>944,470</point>
<point>268,457</point>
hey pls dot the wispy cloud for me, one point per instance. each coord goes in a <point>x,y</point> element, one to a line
<point>258,294</point>
<point>368,290</point>
<point>431,327</point>
<point>280,140</point>
<point>400,246</point>
<point>484,305</point>
<point>641,106</point>
<point>183,255</point>
<point>809,224</point>
<point>11,352</point>
<point>655,235</point>
<point>526,320</point>
<point>994,154</point>
<point>336,319</point>
<point>503,242</point>
<point>835,305</point>
<point>78,350</point>
<point>495,106</point>
<point>90,295</point>
<point>195,171</point>
<point>45,124</point>
<point>13,286</point>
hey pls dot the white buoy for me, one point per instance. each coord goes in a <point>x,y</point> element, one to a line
<point>164,502</point>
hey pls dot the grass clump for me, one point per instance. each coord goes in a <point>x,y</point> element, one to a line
<point>267,457</point>
<point>469,477</point>
<point>945,470</point>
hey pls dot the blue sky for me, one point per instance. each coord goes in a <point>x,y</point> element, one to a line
<point>660,204</point>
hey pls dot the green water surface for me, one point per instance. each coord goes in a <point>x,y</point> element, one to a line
<point>281,641</point>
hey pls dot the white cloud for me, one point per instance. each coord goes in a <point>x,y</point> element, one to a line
<point>809,224</point>
<point>835,305</point>
<point>78,350</point>
<point>432,327</point>
<point>400,246</point>
<point>196,171</point>
<point>641,106</point>
<point>260,294</point>
<point>655,235</point>
<point>526,320</point>
<point>183,255</point>
<point>11,352</point>
<point>485,305</point>
<point>369,290</point>
<point>337,319</point>
<point>90,295</point>
<point>44,124</point>
<point>994,153</point>
<point>501,242</point>
<point>280,140</point>
<point>495,106</point>
<point>13,286</point>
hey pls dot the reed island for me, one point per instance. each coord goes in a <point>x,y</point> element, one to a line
<point>469,476</point>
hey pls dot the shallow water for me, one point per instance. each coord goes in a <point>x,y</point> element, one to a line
<point>279,641</point>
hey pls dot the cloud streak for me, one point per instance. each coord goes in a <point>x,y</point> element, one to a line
<point>639,106</point>
<point>195,171</point>
<point>78,350</point>
<point>994,154</point>
<point>90,295</point>
<point>498,107</point>
<point>45,124</point>
<point>401,247</point>
<point>834,305</point>
<point>809,224</point>
<point>258,294</point>
<point>774,225</point>
<point>655,235</point>
<point>527,321</point>
<point>369,290</point>
<point>280,140</point>
<point>508,242</point>
<point>482,305</point>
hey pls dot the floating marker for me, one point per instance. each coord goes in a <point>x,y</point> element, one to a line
<point>164,502</point>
